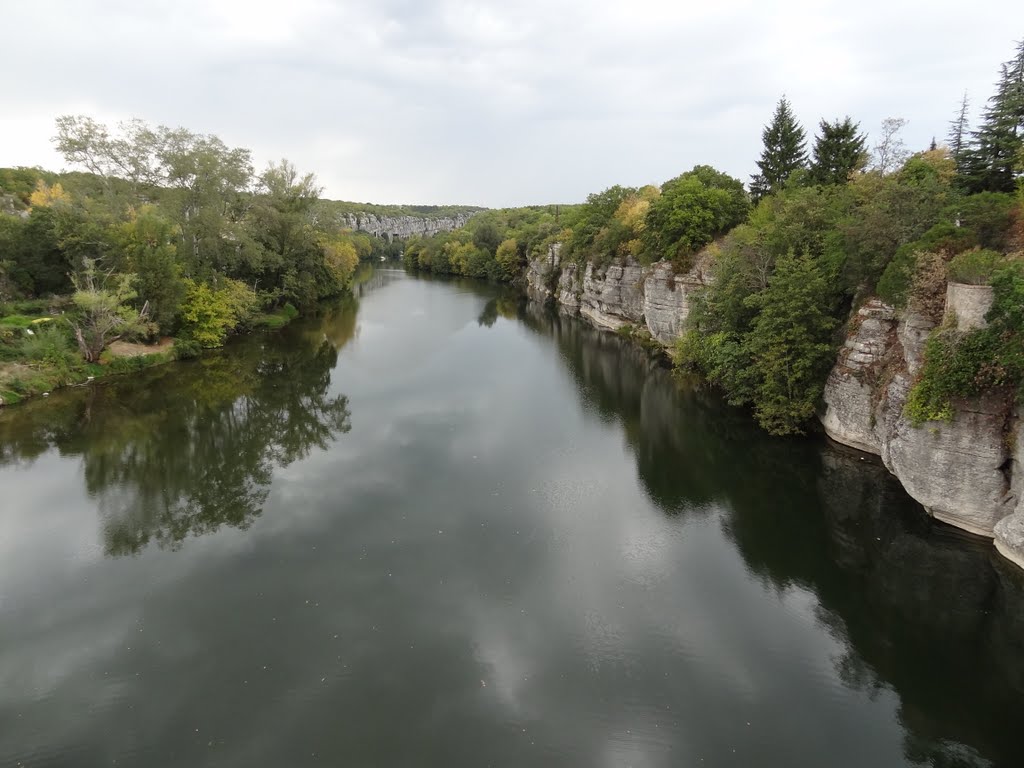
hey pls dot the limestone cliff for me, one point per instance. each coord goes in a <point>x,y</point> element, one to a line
<point>618,294</point>
<point>964,472</point>
<point>402,227</point>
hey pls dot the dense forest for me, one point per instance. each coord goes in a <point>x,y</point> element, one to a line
<point>827,224</point>
<point>164,232</point>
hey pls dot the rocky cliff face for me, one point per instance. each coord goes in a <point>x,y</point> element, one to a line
<point>402,227</point>
<point>968,472</point>
<point>964,471</point>
<point>619,294</point>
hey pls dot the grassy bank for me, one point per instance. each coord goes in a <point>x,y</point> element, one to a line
<point>38,353</point>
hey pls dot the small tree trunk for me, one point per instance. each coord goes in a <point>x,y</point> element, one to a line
<point>87,353</point>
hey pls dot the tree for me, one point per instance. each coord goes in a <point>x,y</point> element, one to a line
<point>994,164</point>
<point>790,344</point>
<point>507,257</point>
<point>148,243</point>
<point>210,312</point>
<point>959,134</point>
<point>692,210</point>
<point>839,151</point>
<point>890,151</point>
<point>131,156</point>
<point>784,151</point>
<point>103,312</point>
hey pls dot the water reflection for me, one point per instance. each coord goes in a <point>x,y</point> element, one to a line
<point>535,547</point>
<point>183,450</point>
<point>921,609</point>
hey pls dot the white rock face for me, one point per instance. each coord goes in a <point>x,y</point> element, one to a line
<point>623,293</point>
<point>968,304</point>
<point>613,296</point>
<point>402,227</point>
<point>569,292</point>
<point>955,469</point>
<point>540,274</point>
<point>851,414</point>
<point>1009,532</point>
<point>667,298</point>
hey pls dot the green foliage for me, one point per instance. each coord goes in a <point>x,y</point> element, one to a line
<point>17,321</point>
<point>210,313</point>
<point>147,240</point>
<point>50,343</point>
<point>839,152</point>
<point>974,267</point>
<point>961,365</point>
<point>790,344</point>
<point>103,312</point>
<point>765,341</point>
<point>992,161</point>
<point>509,259</point>
<point>784,151</point>
<point>692,210</point>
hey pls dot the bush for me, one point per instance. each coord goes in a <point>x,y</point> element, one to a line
<point>974,267</point>
<point>210,313</point>
<point>50,344</point>
<point>186,349</point>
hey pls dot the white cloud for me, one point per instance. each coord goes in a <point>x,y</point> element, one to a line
<point>488,102</point>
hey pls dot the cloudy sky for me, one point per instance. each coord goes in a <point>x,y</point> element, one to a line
<point>499,102</point>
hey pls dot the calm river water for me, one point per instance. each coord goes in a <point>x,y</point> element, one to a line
<point>437,526</point>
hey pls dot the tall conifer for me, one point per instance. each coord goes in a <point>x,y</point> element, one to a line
<point>996,146</point>
<point>785,151</point>
<point>839,151</point>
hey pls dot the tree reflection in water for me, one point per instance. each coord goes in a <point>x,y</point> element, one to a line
<point>919,608</point>
<point>185,449</point>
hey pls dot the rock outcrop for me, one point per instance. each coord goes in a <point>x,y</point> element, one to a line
<point>613,296</point>
<point>402,227</point>
<point>967,305</point>
<point>542,273</point>
<point>618,294</point>
<point>851,417</point>
<point>962,471</point>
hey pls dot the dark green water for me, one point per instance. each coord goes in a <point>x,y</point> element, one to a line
<point>438,527</point>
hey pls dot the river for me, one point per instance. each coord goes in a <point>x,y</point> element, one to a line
<point>438,526</point>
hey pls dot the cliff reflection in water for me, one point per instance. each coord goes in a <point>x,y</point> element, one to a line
<point>920,608</point>
<point>185,449</point>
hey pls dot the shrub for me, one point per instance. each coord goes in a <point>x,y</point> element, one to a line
<point>50,344</point>
<point>974,267</point>
<point>210,313</point>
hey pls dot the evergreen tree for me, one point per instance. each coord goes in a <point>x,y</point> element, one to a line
<point>994,155</point>
<point>839,151</point>
<point>959,135</point>
<point>785,151</point>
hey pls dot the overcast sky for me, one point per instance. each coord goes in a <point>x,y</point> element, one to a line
<point>502,102</point>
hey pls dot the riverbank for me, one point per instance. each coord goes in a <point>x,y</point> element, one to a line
<point>35,362</point>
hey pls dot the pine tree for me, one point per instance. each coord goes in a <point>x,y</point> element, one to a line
<point>839,151</point>
<point>998,141</point>
<point>785,151</point>
<point>959,135</point>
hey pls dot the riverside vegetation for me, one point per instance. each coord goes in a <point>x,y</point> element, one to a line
<point>163,233</point>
